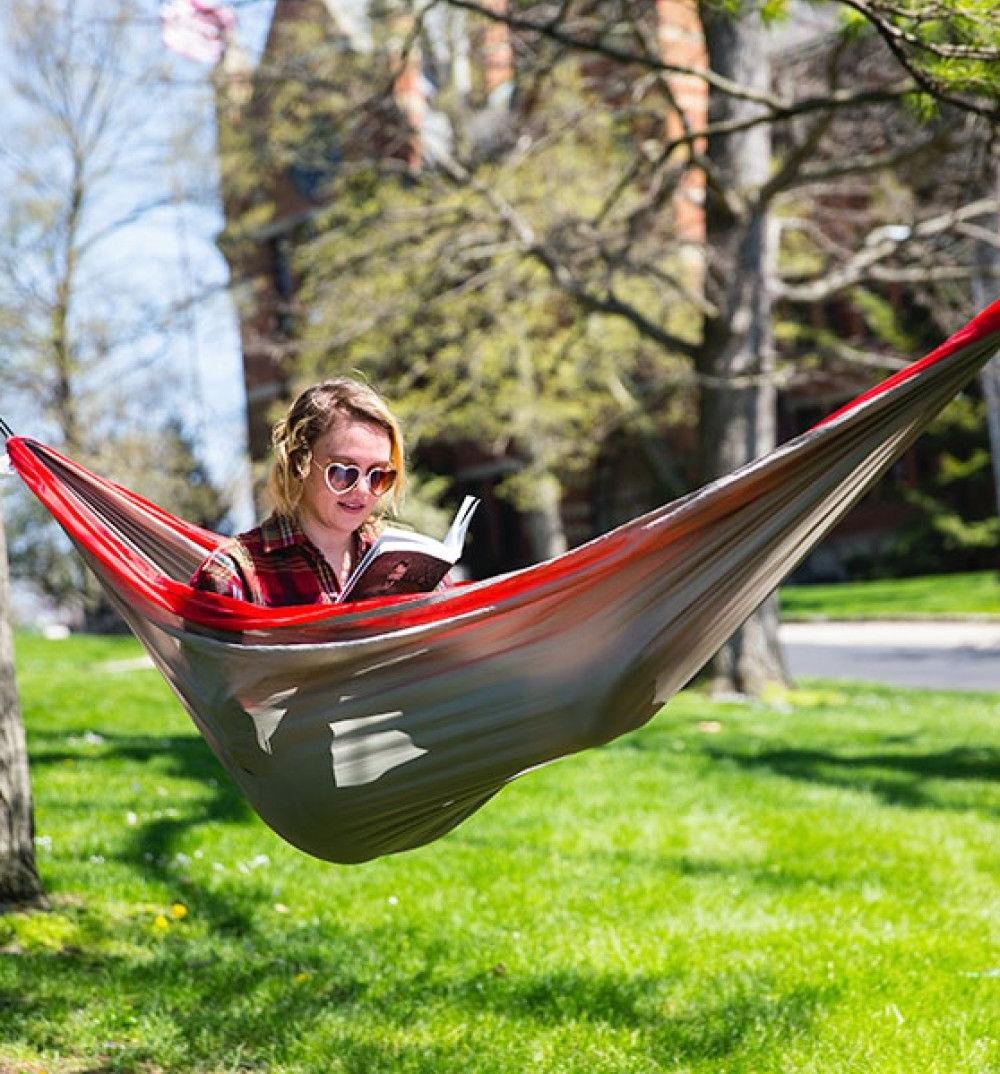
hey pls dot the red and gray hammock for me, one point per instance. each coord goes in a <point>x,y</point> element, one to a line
<point>361,730</point>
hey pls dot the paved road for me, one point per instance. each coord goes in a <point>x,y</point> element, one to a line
<point>946,655</point>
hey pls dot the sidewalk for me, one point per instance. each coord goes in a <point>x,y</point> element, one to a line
<point>943,655</point>
<point>916,634</point>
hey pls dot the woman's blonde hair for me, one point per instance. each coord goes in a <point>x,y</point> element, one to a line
<point>308,418</point>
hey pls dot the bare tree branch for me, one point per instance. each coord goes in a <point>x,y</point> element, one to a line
<point>929,85</point>
<point>608,303</point>
<point>777,107</point>
<point>868,263</point>
<point>866,163</point>
<point>873,13</point>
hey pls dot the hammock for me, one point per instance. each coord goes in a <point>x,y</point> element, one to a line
<point>366,729</point>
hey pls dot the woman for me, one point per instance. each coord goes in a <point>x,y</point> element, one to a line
<point>337,453</point>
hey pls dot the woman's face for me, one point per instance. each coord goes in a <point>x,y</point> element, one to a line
<point>353,443</point>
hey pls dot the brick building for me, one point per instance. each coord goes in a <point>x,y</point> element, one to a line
<point>408,132</point>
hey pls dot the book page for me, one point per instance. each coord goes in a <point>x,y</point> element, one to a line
<point>399,572</point>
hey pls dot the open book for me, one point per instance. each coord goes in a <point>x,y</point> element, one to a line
<point>402,561</point>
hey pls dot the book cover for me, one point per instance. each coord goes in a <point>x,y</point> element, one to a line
<point>403,561</point>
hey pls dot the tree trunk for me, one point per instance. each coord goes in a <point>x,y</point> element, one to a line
<point>64,400</point>
<point>990,378</point>
<point>984,291</point>
<point>737,407</point>
<point>19,882</point>
<point>543,523</point>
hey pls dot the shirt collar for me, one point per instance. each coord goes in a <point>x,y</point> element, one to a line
<point>278,532</point>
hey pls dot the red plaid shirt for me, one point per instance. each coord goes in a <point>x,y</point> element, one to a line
<point>275,565</point>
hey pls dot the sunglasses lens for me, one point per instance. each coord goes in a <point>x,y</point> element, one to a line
<point>380,481</point>
<point>342,478</point>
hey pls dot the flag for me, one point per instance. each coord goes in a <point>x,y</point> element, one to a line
<point>197,29</point>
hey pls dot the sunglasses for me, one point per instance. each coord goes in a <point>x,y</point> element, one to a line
<point>341,477</point>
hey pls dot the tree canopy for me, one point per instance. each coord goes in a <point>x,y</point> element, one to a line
<point>510,261</point>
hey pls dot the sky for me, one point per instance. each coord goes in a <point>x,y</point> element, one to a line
<point>169,256</point>
<point>164,257</point>
<point>209,350</point>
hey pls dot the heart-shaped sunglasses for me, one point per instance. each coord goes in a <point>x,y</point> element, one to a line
<point>342,477</point>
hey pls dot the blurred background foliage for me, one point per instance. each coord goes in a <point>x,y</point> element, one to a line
<point>484,209</point>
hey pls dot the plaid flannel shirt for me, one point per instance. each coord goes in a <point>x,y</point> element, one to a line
<point>275,564</point>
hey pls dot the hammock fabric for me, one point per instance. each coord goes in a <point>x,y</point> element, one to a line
<point>366,729</point>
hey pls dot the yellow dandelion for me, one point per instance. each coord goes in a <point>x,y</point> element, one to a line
<point>160,923</point>
<point>178,911</point>
<point>300,977</point>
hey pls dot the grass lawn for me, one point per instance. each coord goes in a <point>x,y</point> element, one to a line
<point>810,884</point>
<point>935,596</point>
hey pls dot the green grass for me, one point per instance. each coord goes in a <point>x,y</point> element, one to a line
<point>808,884</point>
<point>935,596</point>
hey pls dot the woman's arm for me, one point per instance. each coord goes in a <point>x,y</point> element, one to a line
<point>221,574</point>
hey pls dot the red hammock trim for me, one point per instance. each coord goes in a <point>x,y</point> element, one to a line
<point>137,575</point>
<point>986,323</point>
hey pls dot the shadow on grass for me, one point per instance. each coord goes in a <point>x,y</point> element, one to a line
<point>669,865</point>
<point>152,846</point>
<point>663,1019</point>
<point>897,779</point>
<point>182,756</point>
<point>247,1004</point>
<point>226,1002</point>
<point>710,1024</point>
